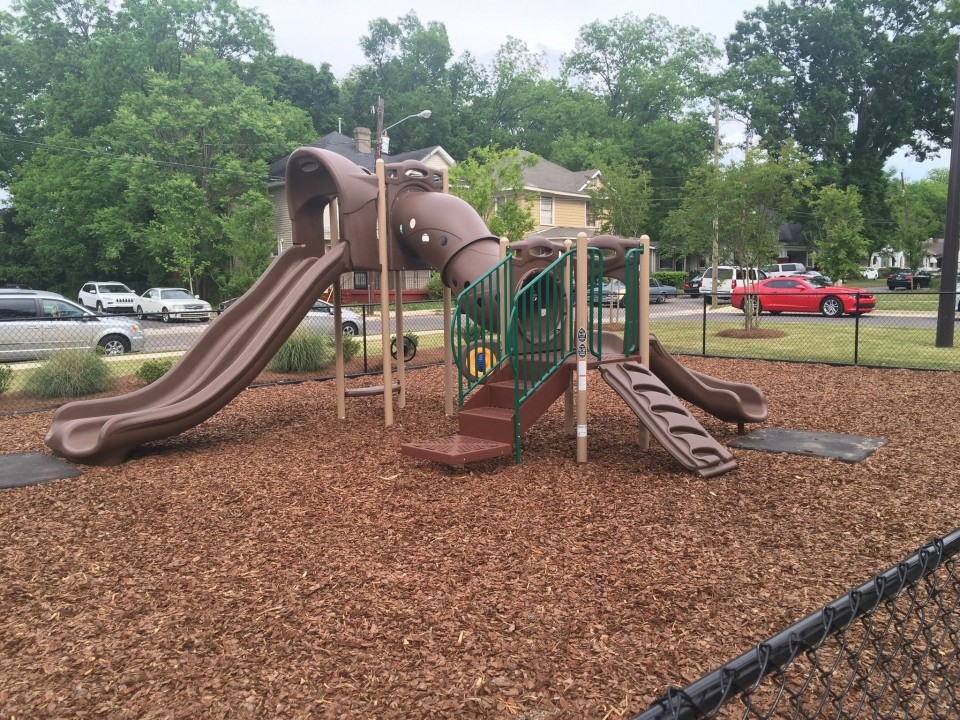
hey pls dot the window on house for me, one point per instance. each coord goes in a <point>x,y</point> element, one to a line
<point>498,202</point>
<point>546,210</point>
<point>591,218</point>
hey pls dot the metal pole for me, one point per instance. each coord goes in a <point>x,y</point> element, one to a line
<point>951,241</point>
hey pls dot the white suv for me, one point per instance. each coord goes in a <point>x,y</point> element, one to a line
<point>729,276</point>
<point>784,269</point>
<point>112,297</point>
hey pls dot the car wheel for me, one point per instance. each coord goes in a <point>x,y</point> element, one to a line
<point>661,299</point>
<point>114,345</point>
<point>831,306</point>
<point>350,328</point>
<point>165,315</point>
<point>140,314</point>
<point>753,303</point>
<point>99,306</point>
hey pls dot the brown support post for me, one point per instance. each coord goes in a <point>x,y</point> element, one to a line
<point>568,424</point>
<point>334,209</point>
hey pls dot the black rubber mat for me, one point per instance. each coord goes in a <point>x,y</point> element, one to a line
<point>30,468</point>
<point>849,448</point>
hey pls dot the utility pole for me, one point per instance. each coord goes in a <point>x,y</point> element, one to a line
<point>378,146</point>
<point>716,220</point>
<point>951,241</point>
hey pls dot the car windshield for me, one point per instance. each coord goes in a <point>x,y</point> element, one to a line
<point>819,280</point>
<point>115,288</point>
<point>176,294</point>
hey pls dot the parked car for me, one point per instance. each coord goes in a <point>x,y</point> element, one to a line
<point>34,324</point>
<point>660,292</point>
<point>729,277</point>
<point>783,269</point>
<point>815,276</point>
<point>691,286</point>
<point>869,273</point>
<point>172,304</point>
<point>320,318</point>
<point>797,294</point>
<point>103,297</point>
<point>900,279</point>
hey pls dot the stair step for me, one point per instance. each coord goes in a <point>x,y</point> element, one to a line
<point>487,421</point>
<point>457,449</point>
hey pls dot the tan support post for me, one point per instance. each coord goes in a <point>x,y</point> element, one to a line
<point>401,355</point>
<point>334,210</point>
<point>644,323</point>
<point>568,424</point>
<point>447,328</point>
<point>582,347</point>
<point>384,294</point>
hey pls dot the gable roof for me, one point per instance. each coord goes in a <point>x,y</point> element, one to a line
<point>550,177</point>
<point>346,146</point>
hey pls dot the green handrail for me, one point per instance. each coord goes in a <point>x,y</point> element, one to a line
<point>540,331</point>
<point>631,301</point>
<point>475,334</point>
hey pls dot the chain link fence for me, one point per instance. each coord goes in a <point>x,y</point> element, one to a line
<point>900,332</point>
<point>48,361</point>
<point>889,649</point>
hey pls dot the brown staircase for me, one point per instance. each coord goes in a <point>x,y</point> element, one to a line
<point>486,418</point>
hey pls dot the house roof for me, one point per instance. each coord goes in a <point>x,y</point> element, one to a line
<point>345,146</point>
<point>550,177</point>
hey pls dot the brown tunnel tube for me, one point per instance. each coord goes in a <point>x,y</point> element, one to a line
<point>448,234</point>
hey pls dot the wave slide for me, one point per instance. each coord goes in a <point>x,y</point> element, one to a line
<point>652,394</point>
<point>230,353</point>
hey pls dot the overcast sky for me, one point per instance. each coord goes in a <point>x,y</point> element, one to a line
<point>330,32</point>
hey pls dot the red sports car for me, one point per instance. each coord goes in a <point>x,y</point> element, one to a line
<point>800,295</point>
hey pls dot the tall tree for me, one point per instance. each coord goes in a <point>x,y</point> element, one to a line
<point>622,200</point>
<point>491,182</point>
<point>740,206</point>
<point>150,193</point>
<point>841,246</point>
<point>851,82</point>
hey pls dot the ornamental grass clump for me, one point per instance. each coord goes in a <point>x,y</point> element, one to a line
<point>6,378</point>
<point>69,373</point>
<point>304,351</point>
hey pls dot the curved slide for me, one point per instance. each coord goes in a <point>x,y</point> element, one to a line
<point>225,359</point>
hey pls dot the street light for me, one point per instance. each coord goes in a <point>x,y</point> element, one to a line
<point>383,142</point>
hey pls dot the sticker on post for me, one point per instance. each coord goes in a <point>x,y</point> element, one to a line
<point>581,335</point>
<point>581,431</point>
<point>581,350</point>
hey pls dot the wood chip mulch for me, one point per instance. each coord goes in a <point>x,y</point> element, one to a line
<point>278,562</point>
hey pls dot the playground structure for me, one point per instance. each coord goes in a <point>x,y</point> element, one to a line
<point>523,331</point>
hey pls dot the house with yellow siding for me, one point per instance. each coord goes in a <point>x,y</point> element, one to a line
<point>559,200</point>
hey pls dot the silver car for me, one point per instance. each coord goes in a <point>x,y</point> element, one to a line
<point>34,324</point>
<point>319,318</point>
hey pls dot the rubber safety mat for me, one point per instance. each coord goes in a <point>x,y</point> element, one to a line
<point>30,468</point>
<point>849,448</point>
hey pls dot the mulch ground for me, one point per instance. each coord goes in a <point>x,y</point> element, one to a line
<point>278,562</point>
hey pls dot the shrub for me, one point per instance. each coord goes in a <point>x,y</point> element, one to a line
<point>6,378</point>
<point>351,346</point>
<point>69,373</point>
<point>305,351</point>
<point>153,370</point>
<point>434,286</point>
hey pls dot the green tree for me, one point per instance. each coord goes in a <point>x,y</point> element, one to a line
<point>841,246</point>
<point>491,181</point>
<point>309,88</point>
<point>621,201</point>
<point>149,193</point>
<point>740,206</point>
<point>851,82</point>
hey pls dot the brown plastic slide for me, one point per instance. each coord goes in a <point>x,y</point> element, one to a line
<point>225,359</point>
<point>728,401</point>
<point>667,419</point>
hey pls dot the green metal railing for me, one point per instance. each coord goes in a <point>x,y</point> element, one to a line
<point>631,301</point>
<point>540,331</point>
<point>475,335</point>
